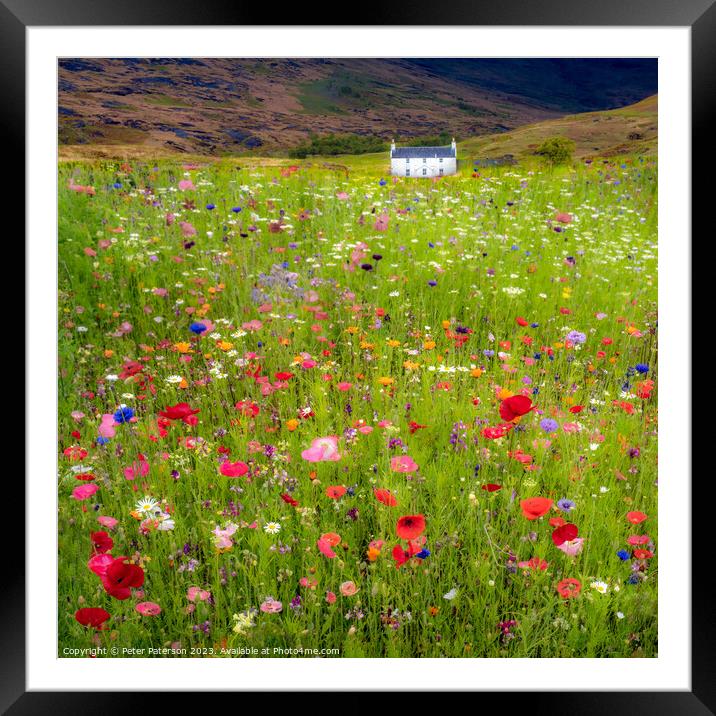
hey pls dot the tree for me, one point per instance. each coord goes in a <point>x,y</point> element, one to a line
<point>557,150</point>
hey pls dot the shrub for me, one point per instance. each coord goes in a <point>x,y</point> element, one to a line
<point>557,150</point>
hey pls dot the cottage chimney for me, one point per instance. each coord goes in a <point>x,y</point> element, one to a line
<point>453,145</point>
<point>392,145</point>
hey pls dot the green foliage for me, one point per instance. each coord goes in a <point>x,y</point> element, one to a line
<point>557,150</point>
<point>334,144</point>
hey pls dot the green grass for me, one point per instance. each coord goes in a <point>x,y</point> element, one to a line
<point>490,244</point>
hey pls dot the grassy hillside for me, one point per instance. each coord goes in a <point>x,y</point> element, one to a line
<point>630,130</point>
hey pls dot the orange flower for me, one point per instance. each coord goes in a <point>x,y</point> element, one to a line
<point>569,588</point>
<point>335,492</point>
<point>534,507</point>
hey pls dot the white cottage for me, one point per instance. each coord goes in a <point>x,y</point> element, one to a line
<point>423,161</point>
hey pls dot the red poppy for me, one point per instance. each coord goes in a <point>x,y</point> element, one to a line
<point>534,507</point>
<point>514,407</point>
<point>410,526</point>
<point>85,476</point>
<point>564,533</point>
<point>335,492</point>
<point>556,522</point>
<point>283,376</point>
<point>233,469</point>
<point>643,554</point>
<point>521,321</point>
<point>385,496</point>
<point>180,411</point>
<point>401,556</point>
<point>92,617</point>
<point>569,588</point>
<point>413,427</point>
<point>246,407</point>
<point>120,576</point>
<point>491,487</point>
<point>75,453</point>
<point>636,517</point>
<point>289,500</point>
<point>576,409</point>
<point>498,431</point>
<point>101,542</point>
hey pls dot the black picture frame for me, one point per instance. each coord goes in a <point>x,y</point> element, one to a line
<point>699,15</point>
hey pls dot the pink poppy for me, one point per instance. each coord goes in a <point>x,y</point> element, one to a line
<point>194,593</point>
<point>271,606</point>
<point>331,597</point>
<point>109,522</point>
<point>82,492</point>
<point>403,463</point>
<point>99,563</point>
<point>233,469</point>
<point>323,450</point>
<point>573,547</point>
<point>344,386</point>
<point>148,609</point>
<point>137,469</point>
<point>348,589</point>
<point>324,547</point>
<point>186,185</point>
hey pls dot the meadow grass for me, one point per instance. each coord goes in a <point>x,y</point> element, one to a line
<point>460,257</point>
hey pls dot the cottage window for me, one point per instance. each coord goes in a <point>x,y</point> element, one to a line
<point>441,160</point>
<point>424,160</point>
<point>407,171</point>
<point>425,171</point>
<point>441,169</point>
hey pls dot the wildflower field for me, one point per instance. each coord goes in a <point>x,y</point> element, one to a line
<point>310,413</point>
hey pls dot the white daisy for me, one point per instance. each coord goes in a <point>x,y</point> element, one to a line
<point>272,528</point>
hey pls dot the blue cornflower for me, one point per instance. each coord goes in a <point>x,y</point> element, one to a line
<point>641,368</point>
<point>123,415</point>
<point>623,555</point>
<point>423,554</point>
<point>534,325</point>
<point>633,579</point>
<point>236,209</point>
<point>432,283</point>
<point>211,206</point>
<point>102,441</point>
<point>382,182</point>
<point>117,185</point>
<point>549,425</point>
<point>566,505</point>
<point>197,328</point>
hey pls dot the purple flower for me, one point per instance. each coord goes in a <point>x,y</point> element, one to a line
<point>549,425</point>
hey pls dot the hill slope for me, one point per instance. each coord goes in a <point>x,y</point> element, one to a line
<point>234,106</point>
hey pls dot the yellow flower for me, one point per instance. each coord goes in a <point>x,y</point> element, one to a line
<point>504,394</point>
<point>352,330</point>
<point>108,353</point>
<point>182,347</point>
<point>291,424</point>
<point>446,324</point>
<point>385,380</point>
<point>429,345</point>
<point>476,372</point>
<point>224,345</point>
<point>411,365</point>
<point>393,343</point>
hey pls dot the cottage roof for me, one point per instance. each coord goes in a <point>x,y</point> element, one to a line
<point>422,152</point>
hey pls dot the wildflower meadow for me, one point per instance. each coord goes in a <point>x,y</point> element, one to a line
<point>311,412</point>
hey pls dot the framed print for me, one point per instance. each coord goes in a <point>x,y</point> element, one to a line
<point>360,338</point>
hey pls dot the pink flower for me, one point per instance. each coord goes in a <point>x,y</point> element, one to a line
<point>331,597</point>
<point>107,426</point>
<point>342,195</point>
<point>82,492</point>
<point>573,547</point>
<point>344,386</point>
<point>233,469</point>
<point>382,222</point>
<point>348,589</point>
<point>325,548</point>
<point>137,469</point>
<point>403,463</point>
<point>100,563</point>
<point>194,593</point>
<point>109,522</point>
<point>187,229</point>
<point>323,450</point>
<point>271,606</point>
<point>148,609</point>
<point>186,185</point>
